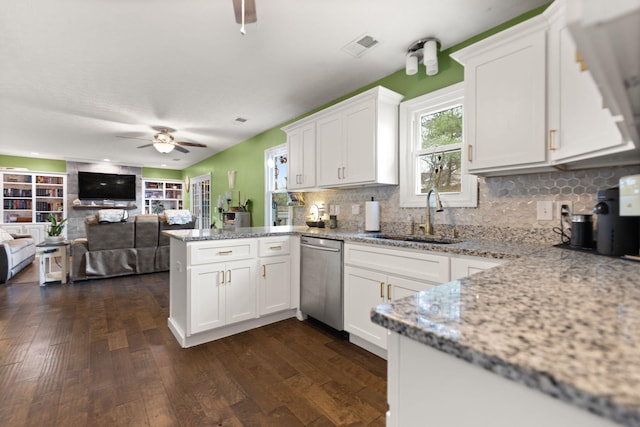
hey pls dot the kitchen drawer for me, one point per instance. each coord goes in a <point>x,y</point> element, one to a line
<point>209,251</point>
<point>409,263</point>
<point>273,246</point>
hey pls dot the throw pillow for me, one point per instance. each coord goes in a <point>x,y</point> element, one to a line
<point>177,216</point>
<point>5,235</point>
<point>112,215</point>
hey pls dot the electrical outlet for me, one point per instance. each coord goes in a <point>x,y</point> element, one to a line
<point>545,211</point>
<point>336,209</point>
<point>355,209</point>
<point>559,204</point>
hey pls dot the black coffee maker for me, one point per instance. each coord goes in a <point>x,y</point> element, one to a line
<point>617,235</point>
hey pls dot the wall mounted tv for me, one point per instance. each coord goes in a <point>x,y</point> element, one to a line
<point>106,186</point>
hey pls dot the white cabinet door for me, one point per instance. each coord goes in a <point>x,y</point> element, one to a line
<point>302,157</point>
<point>505,103</point>
<point>240,291</point>
<point>206,290</point>
<point>330,142</point>
<point>359,147</point>
<point>580,126</point>
<point>364,289</point>
<point>274,284</point>
<point>399,287</point>
<point>468,266</point>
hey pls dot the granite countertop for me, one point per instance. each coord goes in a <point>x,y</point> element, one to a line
<point>564,322</point>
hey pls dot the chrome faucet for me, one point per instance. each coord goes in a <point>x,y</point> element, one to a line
<point>427,227</point>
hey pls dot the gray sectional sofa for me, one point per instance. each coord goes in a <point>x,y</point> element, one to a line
<point>15,254</point>
<point>122,248</point>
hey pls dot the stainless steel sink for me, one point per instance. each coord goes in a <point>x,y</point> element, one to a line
<point>417,239</point>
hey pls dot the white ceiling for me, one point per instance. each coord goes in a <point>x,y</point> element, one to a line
<point>74,74</point>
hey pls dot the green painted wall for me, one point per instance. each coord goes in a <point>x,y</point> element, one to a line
<point>33,164</point>
<point>161,173</point>
<point>247,158</point>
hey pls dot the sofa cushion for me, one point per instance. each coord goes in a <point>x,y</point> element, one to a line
<point>17,245</point>
<point>5,235</point>
<point>146,230</point>
<point>119,235</point>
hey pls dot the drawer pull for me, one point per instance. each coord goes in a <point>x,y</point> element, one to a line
<point>339,173</point>
<point>382,290</point>
<point>470,153</point>
<point>275,248</point>
<point>551,132</point>
<point>221,273</point>
<point>229,252</point>
<point>389,291</point>
<point>229,279</point>
<point>264,270</point>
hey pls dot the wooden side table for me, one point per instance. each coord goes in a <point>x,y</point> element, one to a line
<point>53,252</point>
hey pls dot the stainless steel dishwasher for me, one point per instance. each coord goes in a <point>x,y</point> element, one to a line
<point>321,295</point>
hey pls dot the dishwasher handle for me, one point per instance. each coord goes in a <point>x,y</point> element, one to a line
<point>320,248</point>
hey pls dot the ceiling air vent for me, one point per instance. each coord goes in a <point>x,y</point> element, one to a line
<point>361,45</point>
<point>239,120</point>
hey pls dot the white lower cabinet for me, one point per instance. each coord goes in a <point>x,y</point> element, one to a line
<point>428,387</point>
<point>365,289</point>
<point>221,294</point>
<point>222,287</point>
<point>374,275</point>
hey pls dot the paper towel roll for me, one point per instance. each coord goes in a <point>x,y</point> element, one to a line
<point>372,216</point>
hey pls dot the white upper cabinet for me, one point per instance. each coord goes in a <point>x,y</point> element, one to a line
<point>356,141</point>
<point>301,146</point>
<point>580,127</point>
<point>531,106</point>
<point>505,103</point>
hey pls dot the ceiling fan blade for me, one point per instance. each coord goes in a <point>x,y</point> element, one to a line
<point>189,144</point>
<point>181,149</point>
<point>250,15</point>
<point>145,145</point>
<point>133,137</point>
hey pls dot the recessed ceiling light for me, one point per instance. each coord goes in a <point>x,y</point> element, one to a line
<point>35,154</point>
<point>164,165</point>
<point>107,160</point>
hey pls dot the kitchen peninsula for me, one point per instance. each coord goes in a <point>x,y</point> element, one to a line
<point>563,323</point>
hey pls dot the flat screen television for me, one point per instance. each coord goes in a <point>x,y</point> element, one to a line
<point>106,186</point>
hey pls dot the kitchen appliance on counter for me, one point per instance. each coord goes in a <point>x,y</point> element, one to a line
<point>617,235</point>
<point>582,231</point>
<point>321,289</point>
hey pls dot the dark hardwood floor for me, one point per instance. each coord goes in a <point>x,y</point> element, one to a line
<point>99,353</point>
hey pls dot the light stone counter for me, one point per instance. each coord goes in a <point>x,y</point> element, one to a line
<point>564,322</point>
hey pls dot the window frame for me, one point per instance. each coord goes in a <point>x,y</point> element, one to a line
<point>410,112</point>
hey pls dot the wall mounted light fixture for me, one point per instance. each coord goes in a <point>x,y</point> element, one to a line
<point>425,50</point>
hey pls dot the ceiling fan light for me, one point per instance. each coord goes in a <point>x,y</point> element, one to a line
<point>163,147</point>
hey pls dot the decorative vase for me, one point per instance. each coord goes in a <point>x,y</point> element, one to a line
<point>54,239</point>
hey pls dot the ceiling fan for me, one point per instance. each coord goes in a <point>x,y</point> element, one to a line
<point>164,142</point>
<point>245,11</point>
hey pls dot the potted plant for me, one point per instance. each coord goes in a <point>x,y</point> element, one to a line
<point>55,229</point>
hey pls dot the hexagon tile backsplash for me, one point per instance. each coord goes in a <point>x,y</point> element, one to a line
<point>506,205</point>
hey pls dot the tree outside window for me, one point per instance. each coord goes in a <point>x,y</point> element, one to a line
<point>439,155</point>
